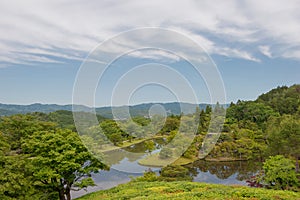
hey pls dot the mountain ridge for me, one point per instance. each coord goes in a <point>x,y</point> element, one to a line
<point>135,110</point>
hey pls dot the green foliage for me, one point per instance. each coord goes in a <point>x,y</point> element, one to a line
<point>171,125</point>
<point>255,129</point>
<point>284,132</point>
<point>41,158</point>
<point>141,120</point>
<point>240,144</point>
<point>60,160</point>
<point>15,175</point>
<point>279,173</point>
<point>149,145</point>
<point>16,170</point>
<point>204,120</point>
<point>18,126</point>
<point>84,183</point>
<point>148,176</point>
<point>251,111</point>
<point>40,161</point>
<point>174,173</point>
<point>112,130</point>
<point>187,190</point>
<point>285,100</point>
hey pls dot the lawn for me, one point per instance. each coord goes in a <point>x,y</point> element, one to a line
<point>155,161</point>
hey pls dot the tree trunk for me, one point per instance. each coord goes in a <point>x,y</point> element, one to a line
<point>61,194</point>
<point>68,193</point>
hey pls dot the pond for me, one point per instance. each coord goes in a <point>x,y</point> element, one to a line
<point>125,165</point>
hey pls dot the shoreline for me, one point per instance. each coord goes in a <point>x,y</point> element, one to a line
<point>128,144</point>
<point>149,161</point>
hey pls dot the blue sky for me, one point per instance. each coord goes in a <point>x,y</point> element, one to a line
<point>255,46</point>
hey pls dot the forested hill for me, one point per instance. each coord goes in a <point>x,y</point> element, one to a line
<point>255,129</point>
<point>285,100</point>
<point>9,109</point>
<point>135,110</point>
<point>278,101</point>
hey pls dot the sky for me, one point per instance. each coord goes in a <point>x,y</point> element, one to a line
<point>254,45</point>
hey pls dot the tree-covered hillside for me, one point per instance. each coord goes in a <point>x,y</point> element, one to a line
<point>42,156</point>
<point>174,108</point>
<point>285,100</point>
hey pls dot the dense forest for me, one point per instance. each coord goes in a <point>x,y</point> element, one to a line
<point>42,156</point>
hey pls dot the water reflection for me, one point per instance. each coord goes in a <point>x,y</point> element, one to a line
<point>126,159</point>
<point>131,154</point>
<point>105,180</point>
<point>236,172</point>
<point>125,165</point>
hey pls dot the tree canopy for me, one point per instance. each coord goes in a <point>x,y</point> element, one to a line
<point>41,161</point>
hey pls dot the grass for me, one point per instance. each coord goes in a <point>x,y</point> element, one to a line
<point>154,160</point>
<point>187,190</point>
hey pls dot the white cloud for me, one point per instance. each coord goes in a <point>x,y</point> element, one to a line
<point>70,29</point>
<point>236,53</point>
<point>265,50</point>
<point>155,55</point>
<point>292,54</point>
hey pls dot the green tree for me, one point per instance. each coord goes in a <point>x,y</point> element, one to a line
<point>16,127</point>
<point>15,169</point>
<point>113,132</point>
<point>150,145</point>
<point>284,132</point>
<point>284,100</point>
<point>174,173</point>
<point>171,124</point>
<point>60,162</point>
<point>15,174</point>
<point>251,111</point>
<point>279,173</point>
<point>204,120</point>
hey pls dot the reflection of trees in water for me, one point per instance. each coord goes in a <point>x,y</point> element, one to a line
<point>248,170</point>
<point>142,148</point>
<point>132,153</point>
<point>223,170</point>
<point>116,156</point>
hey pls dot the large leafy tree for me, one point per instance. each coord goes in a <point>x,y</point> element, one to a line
<point>11,182</point>
<point>60,162</point>
<point>279,173</point>
<point>284,132</point>
<point>16,127</point>
<point>40,161</point>
<point>15,169</point>
<point>16,179</point>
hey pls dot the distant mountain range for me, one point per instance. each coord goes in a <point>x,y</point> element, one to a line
<point>135,110</point>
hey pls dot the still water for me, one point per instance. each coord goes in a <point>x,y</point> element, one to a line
<point>125,166</point>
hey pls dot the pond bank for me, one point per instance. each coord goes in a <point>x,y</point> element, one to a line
<point>128,144</point>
